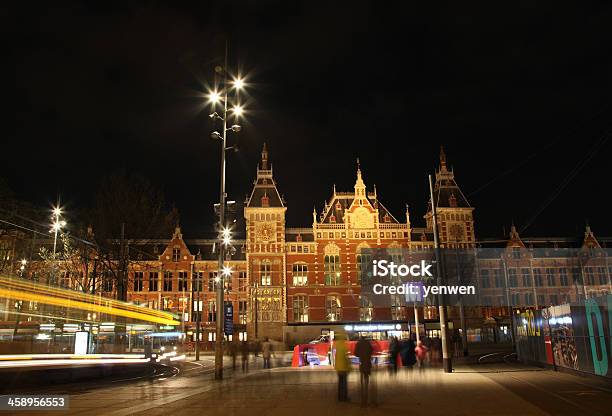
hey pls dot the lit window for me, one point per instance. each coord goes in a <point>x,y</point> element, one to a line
<point>333,308</point>
<point>265,273</point>
<point>300,309</point>
<point>300,274</point>
<point>332,270</point>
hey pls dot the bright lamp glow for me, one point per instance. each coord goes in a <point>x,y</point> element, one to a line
<point>227,271</point>
<point>214,97</point>
<point>227,236</point>
<point>57,211</point>
<point>237,110</point>
<point>238,83</point>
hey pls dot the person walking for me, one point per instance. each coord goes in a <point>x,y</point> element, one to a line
<point>244,350</point>
<point>407,353</point>
<point>421,354</point>
<point>233,350</point>
<point>342,366</point>
<point>266,352</point>
<point>394,349</point>
<point>363,351</point>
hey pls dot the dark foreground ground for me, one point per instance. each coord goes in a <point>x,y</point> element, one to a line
<point>489,389</point>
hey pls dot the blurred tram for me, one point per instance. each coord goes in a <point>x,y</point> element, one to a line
<point>36,318</point>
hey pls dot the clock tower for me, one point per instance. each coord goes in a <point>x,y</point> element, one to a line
<point>455,214</point>
<point>264,215</point>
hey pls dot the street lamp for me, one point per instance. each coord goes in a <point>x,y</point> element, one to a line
<point>22,267</point>
<point>221,97</point>
<point>56,226</point>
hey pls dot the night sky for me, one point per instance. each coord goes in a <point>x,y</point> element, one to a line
<point>519,96</point>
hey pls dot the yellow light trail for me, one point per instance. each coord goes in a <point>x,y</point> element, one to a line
<point>79,296</point>
<point>64,298</point>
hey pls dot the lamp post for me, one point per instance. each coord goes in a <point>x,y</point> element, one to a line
<point>225,233</point>
<point>22,267</point>
<point>56,226</point>
<point>447,361</point>
<point>461,307</point>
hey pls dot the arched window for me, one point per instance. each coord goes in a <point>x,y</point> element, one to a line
<point>332,270</point>
<point>332,265</point>
<point>363,259</point>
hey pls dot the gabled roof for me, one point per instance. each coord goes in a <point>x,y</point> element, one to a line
<point>341,202</point>
<point>447,193</point>
<point>264,193</point>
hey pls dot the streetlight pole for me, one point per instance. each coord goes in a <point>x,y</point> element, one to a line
<point>461,307</point>
<point>55,228</point>
<point>219,287</point>
<point>224,232</point>
<point>447,363</point>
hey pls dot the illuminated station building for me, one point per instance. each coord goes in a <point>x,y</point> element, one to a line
<point>295,284</point>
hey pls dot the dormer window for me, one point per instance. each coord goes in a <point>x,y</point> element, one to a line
<point>387,218</point>
<point>176,254</point>
<point>265,201</point>
<point>332,218</point>
<point>298,237</point>
<point>338,206</point>
<point>452,201</point>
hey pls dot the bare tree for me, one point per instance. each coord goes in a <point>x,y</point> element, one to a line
<point>127,209</point>
<point>77,263</point>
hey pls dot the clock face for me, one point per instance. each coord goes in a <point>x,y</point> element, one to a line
<point>265,231</point>
<point>362,218</point>
<point>456,232</point>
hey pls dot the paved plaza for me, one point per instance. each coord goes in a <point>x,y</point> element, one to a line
<point>492,389</point>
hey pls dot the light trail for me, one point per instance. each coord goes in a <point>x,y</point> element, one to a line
<point>78,296</point>
<point>70,362</point>
<point>18,357</point>
<point>28,291</point>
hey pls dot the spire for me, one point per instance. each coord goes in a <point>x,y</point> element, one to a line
<point>589,238</point>
<point>587,230</point>
<point>359,185</point>
<point>264,157</point>
<point>264,191</point>
<point>177,232</point>
<point>442,158</point>
<point>514,235</point>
